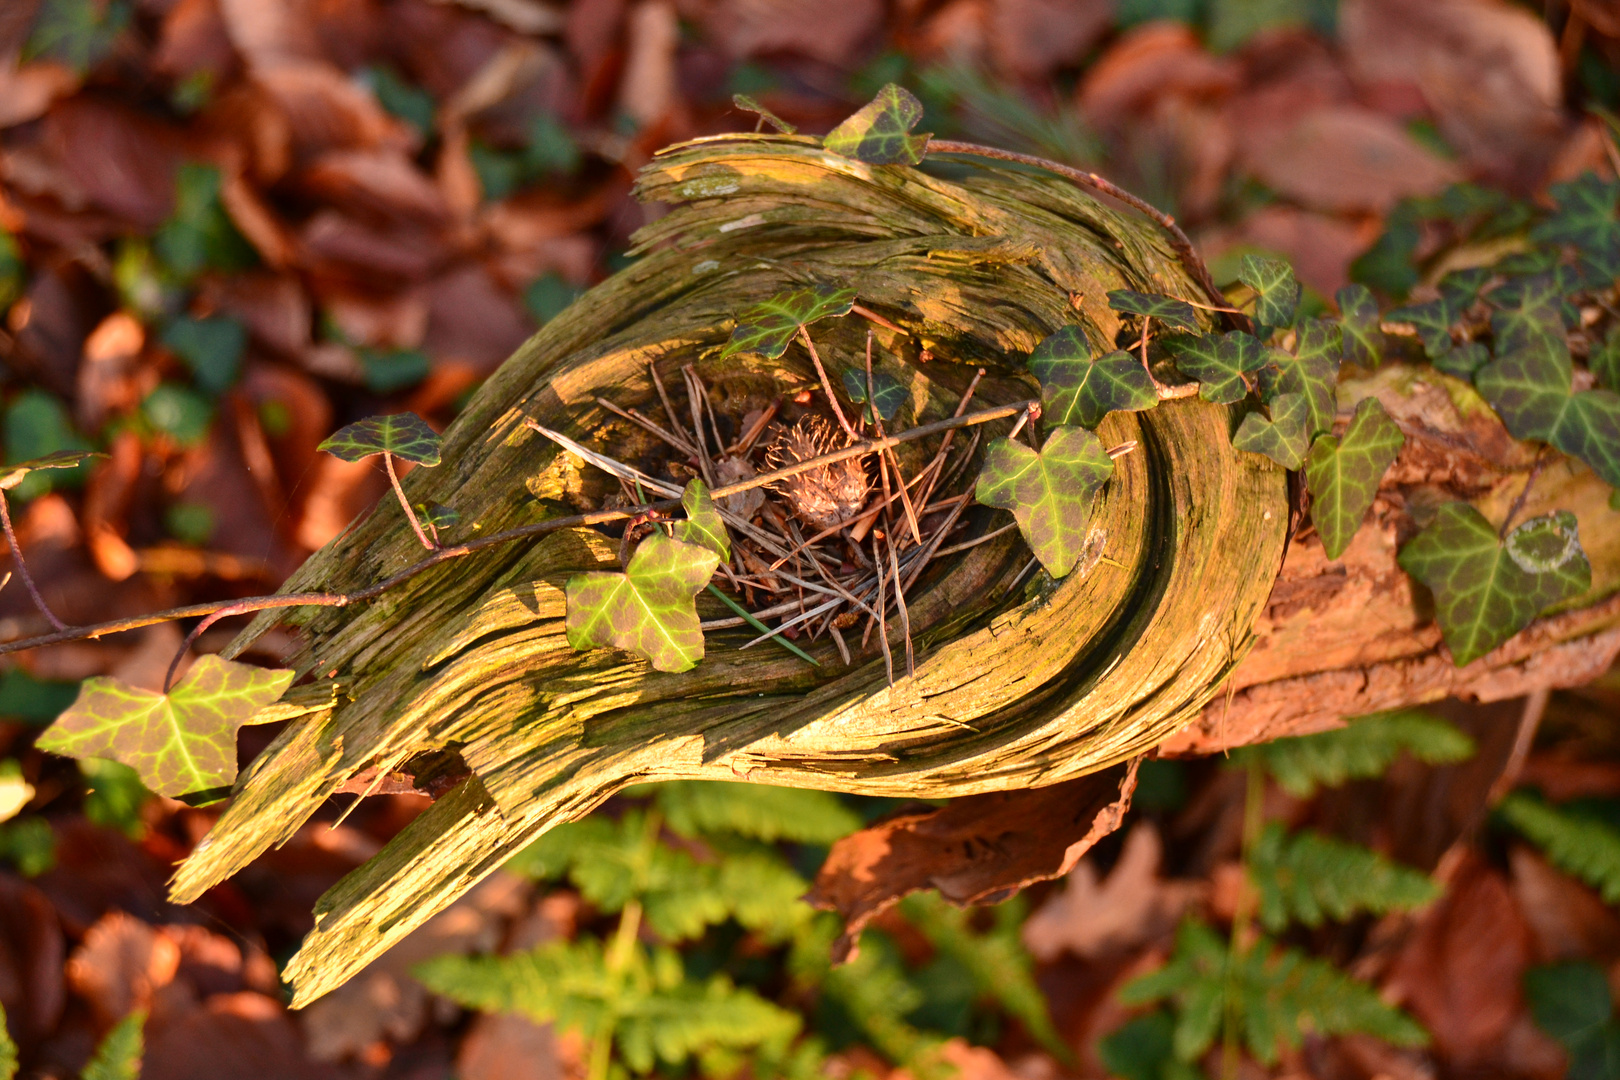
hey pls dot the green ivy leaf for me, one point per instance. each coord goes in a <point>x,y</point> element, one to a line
<point>880,132</point>
<point>12,475</point>
<point>1343,474</point>
<point>1585,215</point>
<point>887,393</point>
<point>1218,362</point>
<point>1529,314</point>
<point>404,435</point>
<point>1311,371</point>
<point>180,742</point>
<point>438,515</point>
<point>766,328</point>
<point>1588,428</point>
<point>118,1057</point>
<point>648,609</point>
<point>1431,320</point>
<point>1049,493</point>
<point>1276,289</point>
<point>1486,590</point>
<point>1363,342</point>
<point>703,525</point>
<point>211,347</point>
<point>1571,1002</point>
<point>1308,878</point>
<point>750,104</point>
<point>1463,361</point>
<point>1284,438</point>
<point>1077,389</point>
<point>1460,288</point>
<point>1174,314</point>
<point>1530,391</point>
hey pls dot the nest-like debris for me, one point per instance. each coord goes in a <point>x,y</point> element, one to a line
<point>819,551</point>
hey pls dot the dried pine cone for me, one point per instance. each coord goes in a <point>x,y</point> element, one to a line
<point>824,496</point>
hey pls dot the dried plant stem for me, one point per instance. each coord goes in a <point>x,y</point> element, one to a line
<point>22,567</point>
<point>669,406</point>
<point>404,503</point>
<point>1178,240</point>
<point>900,605</point>
<point>636,418</point>
<point>872,316</point>
<point>882,625</point>
<point>877,422</point>
<point>826,385</point>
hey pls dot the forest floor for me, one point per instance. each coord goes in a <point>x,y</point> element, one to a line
<point>229,227</point>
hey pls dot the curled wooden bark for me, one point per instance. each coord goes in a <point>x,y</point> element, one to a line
<point>1020,681</point>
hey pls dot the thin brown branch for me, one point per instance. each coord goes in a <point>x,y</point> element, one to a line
<point>635,417</point>
<point>1178,240</point>
<point>22,566</point>
<point>826,383</point>
<point>663,395</point>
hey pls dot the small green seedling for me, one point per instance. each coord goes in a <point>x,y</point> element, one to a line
<point>403,435</point>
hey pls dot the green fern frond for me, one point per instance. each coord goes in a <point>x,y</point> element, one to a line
<point>1307,877</point>
<point>764,894</point>
<point>119,1055</point>
<point>649,1007</point>
<point>1000,966</point>
<point>8,1050</point>
<point>1276,994</point>
<point>703,807</point>
<point>1363,749</point>
<point>1579,845</point>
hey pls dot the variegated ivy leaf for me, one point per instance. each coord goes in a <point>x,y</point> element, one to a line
<point>1529,313</point>
<point>1343,474</point>
<point>1463,361</point>
<point>1219,362</point>
<point>1075,389</point>
<point>1432,322</point>
<point>703,525</point>
<point>1363,342</point>
<point>1485,589</point>
<point>1585,216</point>
<point>180,742</point>
<point>1174,314</point>
<point>1460,288</point>
<point>404,435</point>
<point>1312,370</point>
<point>1276,289</point>
<point>1284,438</point>
<point>766,328</point>
<point>1530,391</point>
<point>12,475</point>
<point>887,393</point>
<point>1049,492</point>
<point>880,132</point>
<point>749,104</point>
<point>648,609</point>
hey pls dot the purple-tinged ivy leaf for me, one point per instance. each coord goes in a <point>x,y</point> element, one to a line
<point>648,609</point>
<point>1075,389</point>
<point>405,435</point>
<point>179,742</point>
<point>703,525</point>
<point>1312,371</point>
<point>879,133</point>
<point>1174,314</point>
<point>1283,438</point>
<point>1049,492</point>
<point>1219,362</point>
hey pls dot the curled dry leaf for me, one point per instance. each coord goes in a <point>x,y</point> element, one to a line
<point>975,850</point>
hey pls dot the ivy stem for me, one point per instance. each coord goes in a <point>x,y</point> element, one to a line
<point>22,567</point>
<point>223,608</point>
<point>1254,819</point>
<point>1518,504</point>
<point>404,503</point>
<point>1178,240</point>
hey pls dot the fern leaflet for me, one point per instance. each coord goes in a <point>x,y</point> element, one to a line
<point>1308,877</point>
<point>701,807</point>
<point>1577,844</point>
<point>119,1055</point>
<point>1277,995</point>
<point>1363,749</point>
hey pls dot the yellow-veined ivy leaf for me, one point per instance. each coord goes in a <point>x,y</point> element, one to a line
<point>879,133</point>
<point>404,435</point>
<point>1363,342</point>
<point>1219,362</point>
<point>887,393</point>
<point>1174,314</point>
<point>766,328</point>
<point>1311,370</point>
<point>181,742</point>
<point>1275,286</point>
<point>1283,438</point>
<point>1486,589</point>
<point>703,525</point>
<point>1049,493</point>
<point>1075,389</point>
<point>1343,474</point>
<point>648,609</point>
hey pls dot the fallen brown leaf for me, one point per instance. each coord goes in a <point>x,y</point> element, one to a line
<point>975,850</point>
<point>472,320</point>
<point>1149,62</point>
<point>380,181</point>
<point>1568,920</point>
<point>26,91</point>
<point>1030,39</point>
<point>31,951</point>
<point>1132,906</point>
<point>194,41</point>
<point>831,31</point>
<point>120,965</point>
<point>123,161</point>
<point>1345,159</point>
